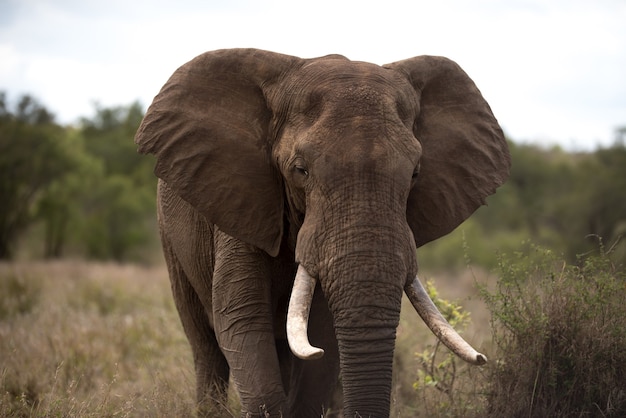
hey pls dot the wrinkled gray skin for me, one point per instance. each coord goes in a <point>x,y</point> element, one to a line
<point>267,162</point>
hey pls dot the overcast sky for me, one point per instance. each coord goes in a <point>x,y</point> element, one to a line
<point>553,71</point>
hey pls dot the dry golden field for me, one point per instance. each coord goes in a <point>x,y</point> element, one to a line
<point>82,339</point>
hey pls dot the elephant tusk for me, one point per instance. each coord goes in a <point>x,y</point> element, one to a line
<point>439,326</point>
<point>298,316</point>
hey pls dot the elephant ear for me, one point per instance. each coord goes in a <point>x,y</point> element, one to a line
<point>208,128</point>
<point>465,155</point>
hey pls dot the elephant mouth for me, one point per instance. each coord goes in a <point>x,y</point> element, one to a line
<point>300,306</point>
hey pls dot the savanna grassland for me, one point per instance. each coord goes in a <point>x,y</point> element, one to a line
<point>82,339</point>
<point>91,340</point>
<point>104,339</point>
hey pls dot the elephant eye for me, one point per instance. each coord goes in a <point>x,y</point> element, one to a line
<point>416,173</point>
<point>302,170</point>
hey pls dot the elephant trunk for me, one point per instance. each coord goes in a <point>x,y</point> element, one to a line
<point>364,295</point>
<point>366,362</point>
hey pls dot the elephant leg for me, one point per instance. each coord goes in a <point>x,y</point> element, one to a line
<point>313,382</point>
<point>244,325</point>
<point>210,364</point>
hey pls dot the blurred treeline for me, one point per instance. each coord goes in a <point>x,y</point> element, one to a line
<point>573,203</point>
<point>80,191</point>
<point>83,191</point>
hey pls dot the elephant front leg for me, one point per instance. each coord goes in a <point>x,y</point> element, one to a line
<point>210,364</point>
<point>242,313</point>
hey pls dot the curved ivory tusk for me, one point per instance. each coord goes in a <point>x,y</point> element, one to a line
<point>298,317</point>
<point>439,326</point>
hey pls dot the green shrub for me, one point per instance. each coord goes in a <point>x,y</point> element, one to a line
<point>439,371</point>
<point>560,337</point>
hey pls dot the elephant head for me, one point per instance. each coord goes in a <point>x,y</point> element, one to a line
<point>349,165</point>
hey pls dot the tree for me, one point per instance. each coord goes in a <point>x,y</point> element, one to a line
<point>605,209</point>
<point>119,218</point>
<point>109,136</point>
<point>60,206</point>
<point>120,211</point>
<point>85,186</point>
<point>33,155</point>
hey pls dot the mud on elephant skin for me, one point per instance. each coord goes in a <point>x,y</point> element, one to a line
<point>322,176</point>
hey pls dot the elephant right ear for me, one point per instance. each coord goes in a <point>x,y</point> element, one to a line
<point>465,156</point>
<point>208,128</point>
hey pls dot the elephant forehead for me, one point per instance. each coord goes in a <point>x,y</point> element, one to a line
<point>360,98</point>
<point>344,82</point>
<point>358,87</point>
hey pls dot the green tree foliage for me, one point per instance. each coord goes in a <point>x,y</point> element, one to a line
<point>34,154</point>
<point>120,211</point>
<point>569,201</point>
<point>59,208</point>
<point>563,201</point>
<point>83,191</point>
<point>119,219</point>
<point>109,136</point>
<point>604,211</point>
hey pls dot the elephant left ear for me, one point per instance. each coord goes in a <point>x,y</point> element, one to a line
<point>208,128</point>
<point>465,156</point>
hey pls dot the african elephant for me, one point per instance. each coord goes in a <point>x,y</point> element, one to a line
<point>293,193</point>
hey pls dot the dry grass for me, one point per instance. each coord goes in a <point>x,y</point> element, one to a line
<point>93,340</point>
<point>90,340</point>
